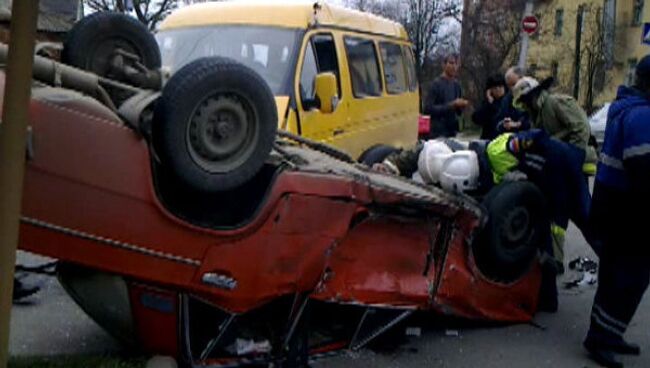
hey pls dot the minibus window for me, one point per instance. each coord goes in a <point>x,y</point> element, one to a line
<point>326,56</point>
<point>267,50</point>
<point>320,57</point>
<point>308,75</point>
<point>394,68</point>
<point>410,69</point>
<point>364,67</point>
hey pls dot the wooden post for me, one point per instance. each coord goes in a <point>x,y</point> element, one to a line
<point>13,136</point>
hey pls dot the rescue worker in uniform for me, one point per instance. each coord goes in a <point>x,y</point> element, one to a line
<point>621,193</point>
<point>563,119</point>
<point>554,166</point>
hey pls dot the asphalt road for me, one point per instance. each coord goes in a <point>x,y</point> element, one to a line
<point>53,325</point>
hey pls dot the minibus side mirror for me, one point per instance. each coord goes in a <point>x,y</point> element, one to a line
<point>327,92</point>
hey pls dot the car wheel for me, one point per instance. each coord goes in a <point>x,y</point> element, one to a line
<point>517,227</point>
<point>376,154</point>
<point>93,42</point>
<point>215,124</point>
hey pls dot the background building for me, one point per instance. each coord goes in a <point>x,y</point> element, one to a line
<point>590,46</point>
<point>55,18</point>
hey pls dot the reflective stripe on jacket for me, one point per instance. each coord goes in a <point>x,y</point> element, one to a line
<point>501,160</point>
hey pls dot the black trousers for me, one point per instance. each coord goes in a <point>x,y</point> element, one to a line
<point>623,279</point>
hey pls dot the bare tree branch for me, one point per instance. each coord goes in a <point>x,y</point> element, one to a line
<point>149,12</point>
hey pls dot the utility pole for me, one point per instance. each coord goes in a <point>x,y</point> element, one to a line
<point>525,38</point>
<point>13,136</point>
<point>577,63</point>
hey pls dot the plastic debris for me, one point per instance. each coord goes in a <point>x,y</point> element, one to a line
<point>413,331</point>
<point>245,347</point>
<point>452,333</point>
<point>583,264</point>
<point>587,270</point>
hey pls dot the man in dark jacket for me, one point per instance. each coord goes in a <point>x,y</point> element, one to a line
<point>444,102</point>
<point>512,119</point>
<point>490,113</point>
<point>621,197</point>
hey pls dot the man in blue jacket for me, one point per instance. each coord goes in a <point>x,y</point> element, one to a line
<point>620,201</point>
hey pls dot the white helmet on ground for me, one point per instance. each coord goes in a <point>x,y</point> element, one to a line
<point>433,155</point>
<point>460,172</point>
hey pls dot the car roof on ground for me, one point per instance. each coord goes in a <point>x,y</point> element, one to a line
<point>298,15</point>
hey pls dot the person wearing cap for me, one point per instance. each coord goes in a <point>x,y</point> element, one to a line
<point>488,115</point>
<point>562,118</point>
<point>621,193</point>
<point>444,102</point>
<point>559,115</point>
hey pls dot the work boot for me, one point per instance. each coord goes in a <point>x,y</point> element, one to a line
<point>604,357</point>
<point>22,290</point>
<point>619,347</point>
<point>548,289</point>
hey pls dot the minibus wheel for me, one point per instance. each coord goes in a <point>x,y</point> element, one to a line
<point>215,124</point>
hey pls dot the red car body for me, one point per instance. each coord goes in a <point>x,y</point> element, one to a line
<point>325,231</point>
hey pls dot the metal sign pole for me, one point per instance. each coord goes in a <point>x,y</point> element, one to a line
<point>13,135</point>
<point>525,38</point>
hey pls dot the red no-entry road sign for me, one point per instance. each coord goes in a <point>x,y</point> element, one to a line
<point>530,24</point>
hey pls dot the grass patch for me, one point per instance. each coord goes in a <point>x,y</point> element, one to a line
<point>75,362</point>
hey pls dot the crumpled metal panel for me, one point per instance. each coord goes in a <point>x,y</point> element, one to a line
<point>383,261</point>
<point>288,254</point>
<point>465,292</point>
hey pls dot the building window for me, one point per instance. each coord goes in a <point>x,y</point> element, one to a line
<point>637,12</point>
<point>559,22</point>
<point>631,71</point>
<point>555,70</point>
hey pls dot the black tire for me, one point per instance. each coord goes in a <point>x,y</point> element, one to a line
<point>215,124</point>
<point>376,154</point>
<point>92,42</point>
<point>517,227</point>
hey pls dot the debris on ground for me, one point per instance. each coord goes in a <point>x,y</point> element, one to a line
<point>582,264</point>
<point>452,333</point>
<point>586,273</point>
<point>245,346</point>
<point>413,331</point>
<point>161,362</point>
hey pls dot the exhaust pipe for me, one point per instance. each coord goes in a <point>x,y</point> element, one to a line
<point>57,74</point>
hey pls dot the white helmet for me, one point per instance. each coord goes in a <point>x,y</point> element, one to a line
<point>521,89</point>
<point>433,155</point>
<point>460,172</point>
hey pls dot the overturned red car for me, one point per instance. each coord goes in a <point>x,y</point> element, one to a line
<point>308,252</point>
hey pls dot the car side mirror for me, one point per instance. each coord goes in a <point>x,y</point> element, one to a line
<point>326,92</point>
